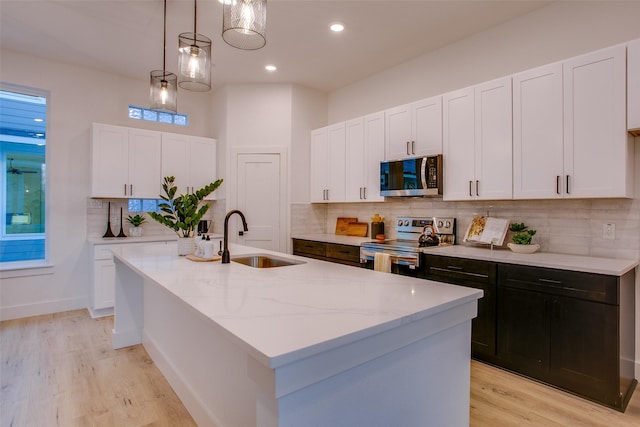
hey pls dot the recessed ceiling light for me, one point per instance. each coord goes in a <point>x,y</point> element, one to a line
<point>337,27</point>
<point>270,67</point>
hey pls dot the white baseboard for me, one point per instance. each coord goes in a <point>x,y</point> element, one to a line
<point>40,308</point>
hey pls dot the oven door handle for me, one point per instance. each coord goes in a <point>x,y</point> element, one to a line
<point>396,257</point>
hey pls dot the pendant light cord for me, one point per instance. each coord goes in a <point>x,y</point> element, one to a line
<point>164,42</point>
<point>195,18</point>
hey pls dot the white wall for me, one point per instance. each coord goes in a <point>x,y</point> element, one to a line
<point>555,32</point>
<point>78,97</point>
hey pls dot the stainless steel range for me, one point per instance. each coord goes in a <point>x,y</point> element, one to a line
<point>414,236</point>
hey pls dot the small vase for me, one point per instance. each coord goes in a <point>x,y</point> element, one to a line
<point>186,245</point>
<point>135,232</point>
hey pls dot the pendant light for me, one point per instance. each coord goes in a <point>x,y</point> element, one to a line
<point>244,23</point>
<point>164,88</point>
<point>194,58</point>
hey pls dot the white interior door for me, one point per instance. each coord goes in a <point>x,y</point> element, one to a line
<point>259,197</point>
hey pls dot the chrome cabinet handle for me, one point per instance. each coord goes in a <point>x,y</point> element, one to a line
<point>470,195</point>
<point>125,189</point>
<point>477,193</point>
<point>364,192</point>
<point>131,189</point>
<point>413,147</point>
<point>567,189</point>
<point>408,152</point>
<point>557,184</point>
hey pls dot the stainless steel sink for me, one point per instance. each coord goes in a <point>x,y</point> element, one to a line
<point>264,261</point>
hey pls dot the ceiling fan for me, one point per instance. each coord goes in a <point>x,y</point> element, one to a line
<point>16,171</point>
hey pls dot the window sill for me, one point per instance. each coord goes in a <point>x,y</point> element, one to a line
<point>24,269</point>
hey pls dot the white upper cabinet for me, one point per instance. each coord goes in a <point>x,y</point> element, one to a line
<point>538,133</point>
<point>365,151</point>
<point>477,142</point>
<point>633,86</point>
<point>319,165</point>
<point>125,162</point>
<point>598,152</point>
<point>414,130</point>
<point>191,160</point>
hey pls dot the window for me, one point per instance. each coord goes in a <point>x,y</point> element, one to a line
<point>144,205</point>
<point>139,113</point>
<point>23,178</point>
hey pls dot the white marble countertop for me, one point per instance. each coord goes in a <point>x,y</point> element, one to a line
<point>141,239</point>
<point>587,264</point>
<point>287,313</point>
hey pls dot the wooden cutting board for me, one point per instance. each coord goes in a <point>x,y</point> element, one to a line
<point>357,229</point>
<point>342,225</point>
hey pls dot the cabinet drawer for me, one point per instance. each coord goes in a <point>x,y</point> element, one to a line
<point>574,284</point>
<point>309,247</point>
<point>459,270</point>
<point>343,252</point>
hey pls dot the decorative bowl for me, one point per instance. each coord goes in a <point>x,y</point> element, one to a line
<point>523,249</point>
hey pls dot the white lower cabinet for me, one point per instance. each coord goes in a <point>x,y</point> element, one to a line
<point>477,142</point>
<point>103,277</point>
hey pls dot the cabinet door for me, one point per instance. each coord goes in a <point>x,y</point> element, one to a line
<point>537,133</point>
<point>203,163</point>
<point>176,160</point>
<point>374,154</point>
<point>523,331</point>
<point>145,152</point>
<point>104,280</point>
<point>398,132</point>
<point>426,127</point>
<point>596,148</point>
<point>319,165</point>
<point>493,140</point>
<point>355,162</point>
<point>109,161</point>
<point>633,85</point>
<point>337,175</point>
<point>584,348</point>
<point>458,154</point>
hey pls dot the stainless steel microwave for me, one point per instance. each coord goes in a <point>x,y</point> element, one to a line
<point>416,177</point>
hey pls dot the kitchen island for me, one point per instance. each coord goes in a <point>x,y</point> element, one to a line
<point>313,344</point>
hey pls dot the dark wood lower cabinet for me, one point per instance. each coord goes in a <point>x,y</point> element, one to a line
<point>473,274</point>
<point>572,330</point>
<point>333,252</point>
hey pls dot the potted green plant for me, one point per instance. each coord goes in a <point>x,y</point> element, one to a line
<point>182,213</point>
<point>136,222</point>
<point>522,239</point>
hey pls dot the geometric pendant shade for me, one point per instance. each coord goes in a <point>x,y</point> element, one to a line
<point>244,23</point>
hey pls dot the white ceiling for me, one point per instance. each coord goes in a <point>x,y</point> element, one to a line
<point>125,36</point>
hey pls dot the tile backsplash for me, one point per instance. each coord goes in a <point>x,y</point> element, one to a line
<point>563,226</point>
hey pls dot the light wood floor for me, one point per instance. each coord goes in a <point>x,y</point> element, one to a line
<point>60,370</point>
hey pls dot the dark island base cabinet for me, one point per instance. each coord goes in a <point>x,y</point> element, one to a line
<point>333,252</point>
<point>572,330</point>
<point>473,274</point>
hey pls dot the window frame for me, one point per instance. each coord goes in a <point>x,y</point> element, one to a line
<point>46,261</point>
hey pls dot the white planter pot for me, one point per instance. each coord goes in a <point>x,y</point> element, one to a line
<point>523,249</point>
<point>135,231</point>
<point>186,245</point>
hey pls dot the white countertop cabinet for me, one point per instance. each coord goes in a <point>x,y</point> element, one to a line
<point>414,130</point>
<point>125,162</point>
<point>538,166</point>
<point>633,85</point>
<point>191,159</point>
<point>364,151</point>
<point>477,142</point>
<point>598,152</point>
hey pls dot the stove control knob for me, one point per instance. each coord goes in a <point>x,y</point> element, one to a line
<point>439,224</point>
<point>399,222</point>
<point>406,222</point>
<point>447,224</point>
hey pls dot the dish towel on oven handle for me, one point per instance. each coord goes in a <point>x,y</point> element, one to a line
<point>382,262</point>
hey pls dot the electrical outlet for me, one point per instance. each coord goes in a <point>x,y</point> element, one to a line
<point>609,231</point>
